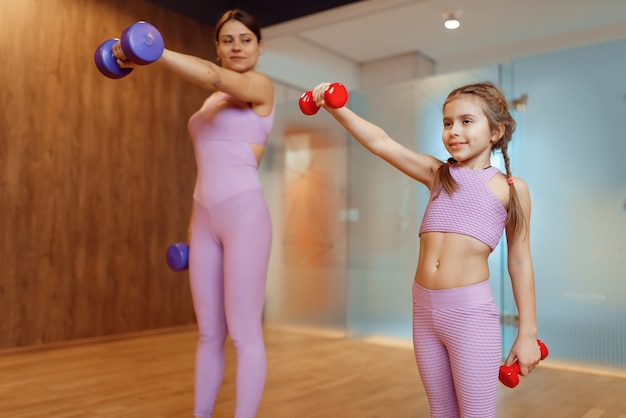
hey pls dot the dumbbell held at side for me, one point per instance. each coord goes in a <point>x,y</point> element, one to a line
<point>509,375</point>
<point>142,44</point>
<point>177,256</point>
<point>335,96</point>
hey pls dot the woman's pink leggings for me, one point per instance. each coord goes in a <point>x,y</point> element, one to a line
<point>456,337</point>
<point>228,259</point>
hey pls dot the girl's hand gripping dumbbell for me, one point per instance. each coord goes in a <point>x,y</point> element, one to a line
<point>335,96</point>
<point>509,375</point>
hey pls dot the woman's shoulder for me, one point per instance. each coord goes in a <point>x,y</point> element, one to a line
<point>251,87</point>
<point>260,79</point>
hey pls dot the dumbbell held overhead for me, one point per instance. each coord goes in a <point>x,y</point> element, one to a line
<point>335,96</point>
<point>509,375</point>
<point>142,44</point>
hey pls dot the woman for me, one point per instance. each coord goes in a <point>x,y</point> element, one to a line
<point>230,230</point>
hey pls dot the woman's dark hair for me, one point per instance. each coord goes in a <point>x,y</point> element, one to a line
<point>496,109</point>
<point>237,14</point>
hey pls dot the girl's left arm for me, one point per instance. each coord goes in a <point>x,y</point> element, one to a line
<point>525,348</point>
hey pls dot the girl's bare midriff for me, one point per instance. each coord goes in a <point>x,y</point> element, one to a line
<point>448,260</point>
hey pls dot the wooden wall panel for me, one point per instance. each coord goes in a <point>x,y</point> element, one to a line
<point>96,175</point>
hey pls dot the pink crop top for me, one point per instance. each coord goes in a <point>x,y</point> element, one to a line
<point>471,210</point>
<point>225,118</point>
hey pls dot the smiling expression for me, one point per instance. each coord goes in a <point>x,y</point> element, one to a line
<point>238,47</point>
<point>466,132</point>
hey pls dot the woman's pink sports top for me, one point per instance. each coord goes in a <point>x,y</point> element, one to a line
<point>222,131</point>
<point>472,210</point>
<point>224,118</point>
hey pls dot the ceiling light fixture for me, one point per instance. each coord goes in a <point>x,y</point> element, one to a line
<point>451,19</point>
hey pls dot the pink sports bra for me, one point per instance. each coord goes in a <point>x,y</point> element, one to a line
<point>225,118</point>
<point>472,210</point>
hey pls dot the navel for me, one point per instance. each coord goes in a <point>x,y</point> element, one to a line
<point>437,264</point>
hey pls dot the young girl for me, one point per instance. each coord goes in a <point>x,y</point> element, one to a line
<point>230,230</point>
<point>456,330</point>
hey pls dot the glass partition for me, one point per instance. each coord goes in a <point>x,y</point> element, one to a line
<point>572,154</point>
<point>305,181</point>
<point>384,244</point>
<point>346,223</point>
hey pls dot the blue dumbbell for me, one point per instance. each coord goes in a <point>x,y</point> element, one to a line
<point>177,256</point>
<point>142,44</point>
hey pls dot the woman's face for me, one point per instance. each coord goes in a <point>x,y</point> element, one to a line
<point>237,47</point>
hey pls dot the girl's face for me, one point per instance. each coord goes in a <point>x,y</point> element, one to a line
<point>237,47</point>
<point>466,132</point>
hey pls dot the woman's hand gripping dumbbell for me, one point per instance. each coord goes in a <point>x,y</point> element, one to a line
<point>335,96</point>
<point>509,375</point>
<point>141,44</point>
<point>177,256</point>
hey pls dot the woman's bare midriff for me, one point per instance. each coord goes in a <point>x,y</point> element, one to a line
<point>448,260</point>
<point>258,150</point>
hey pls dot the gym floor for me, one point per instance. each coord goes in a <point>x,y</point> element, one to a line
<point>310,375</point>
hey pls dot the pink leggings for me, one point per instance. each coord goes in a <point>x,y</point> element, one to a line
<point>228,259</point>
<point>456,337</point>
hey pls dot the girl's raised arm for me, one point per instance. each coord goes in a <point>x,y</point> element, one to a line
<point>420,167</point>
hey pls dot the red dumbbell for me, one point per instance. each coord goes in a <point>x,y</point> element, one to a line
<point>509,375</point>
<point>335,96</point>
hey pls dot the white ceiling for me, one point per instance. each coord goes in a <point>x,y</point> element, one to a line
<point>491,31</point>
